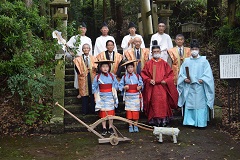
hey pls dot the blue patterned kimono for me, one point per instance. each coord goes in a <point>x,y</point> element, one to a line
<point>132,100</point>
<point>197,97</point>
<point>107,101</point>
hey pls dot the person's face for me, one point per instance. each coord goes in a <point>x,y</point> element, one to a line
<point>132,30</point>
<point>161,28</point>
<point>82,30</point>
<point>86,49</point>
<point>194,52</point>
<point>179,41</point>
<point>105,68</point>
<point>130,68</point>
<point>110,46</point>
<point>137,42</point>
<point>104,31</point>
<point>195,49</point>
<point>156,51</point>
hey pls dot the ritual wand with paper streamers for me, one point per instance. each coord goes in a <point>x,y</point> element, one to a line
<point>62,41</point>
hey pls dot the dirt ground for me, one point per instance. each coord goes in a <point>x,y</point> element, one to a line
<point>193,143</point>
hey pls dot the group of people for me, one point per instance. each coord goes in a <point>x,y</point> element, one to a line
<point>156,80</point>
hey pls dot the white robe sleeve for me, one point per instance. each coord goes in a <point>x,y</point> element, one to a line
<point>143,44</point>
<point>169,41</point>
<point>97,47</point>
<point>115,46</point>
<point>150,54</point>
<point>125,41</point>
<point>71,42</point>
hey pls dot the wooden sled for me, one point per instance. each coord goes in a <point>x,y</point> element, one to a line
<point>115,138</point>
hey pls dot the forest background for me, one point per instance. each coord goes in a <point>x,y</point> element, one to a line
<point>27,49</point>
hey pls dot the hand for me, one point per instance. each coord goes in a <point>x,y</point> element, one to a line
<point>126,87</point>
<point>200,81</point>
<point>163,82</point>
<point>152,82</point>
<point>139,88</point>
<point>187,80</point>
<point>79,96</point>
<point>130,41</point>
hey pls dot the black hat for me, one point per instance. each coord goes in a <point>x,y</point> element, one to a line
<point>131,24</point>
<point>155,44</point>
<point>194,43</point>
<point>104,24</point>
<point>83,25</point>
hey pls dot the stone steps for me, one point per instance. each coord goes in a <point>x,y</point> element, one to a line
<point>73,104</point>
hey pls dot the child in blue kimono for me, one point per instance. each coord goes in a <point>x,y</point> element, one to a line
<point>104,84</point>
<point>132,85</point>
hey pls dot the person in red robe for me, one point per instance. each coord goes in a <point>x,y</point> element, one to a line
<point>160,95</point>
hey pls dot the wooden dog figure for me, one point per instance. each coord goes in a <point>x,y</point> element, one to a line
<point>159,131</point>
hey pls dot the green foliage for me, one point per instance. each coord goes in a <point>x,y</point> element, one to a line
<point>27,56</point>
<point>187,11</point>
<point>229,37</point>
<point>38,112</point>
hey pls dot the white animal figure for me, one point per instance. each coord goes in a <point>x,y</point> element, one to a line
<point>159,131</point>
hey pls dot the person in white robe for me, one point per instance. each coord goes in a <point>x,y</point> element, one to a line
<point>128,40</point>
<point>164,41</point>
<point>100,44</point>
<point>83,40</point>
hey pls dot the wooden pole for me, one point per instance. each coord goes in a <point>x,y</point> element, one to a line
<point>92,130</point>
<point>154,72</point>
<point>146,19</point>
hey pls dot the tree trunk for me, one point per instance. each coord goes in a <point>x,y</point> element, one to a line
<point>232,5</point>
<point>104,10</point>
<point>42,8</point>
<point>113,9</point>
<point>28,3</point>
<point>213,16</point>
<point>119,21</point>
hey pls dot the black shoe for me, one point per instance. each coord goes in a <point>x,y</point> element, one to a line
<point>110,131</point>
<point>104,131</point>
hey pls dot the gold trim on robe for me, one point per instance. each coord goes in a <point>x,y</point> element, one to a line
<point>177,60</point>
<point>117,59</point>
<point>130,55</point>
<point>83,76</point>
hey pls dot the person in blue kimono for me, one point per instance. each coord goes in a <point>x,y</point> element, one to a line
<point>104,87</point>
<point>196,88</point>
<point>131,85</point>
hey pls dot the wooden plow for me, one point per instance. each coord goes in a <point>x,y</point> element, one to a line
<point>115,138</point>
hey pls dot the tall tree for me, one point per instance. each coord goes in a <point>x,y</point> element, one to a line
<point>113,9</point>
<point>119,20</point>
<point>104,10</point>
<point>213,16</point>
<point>232,6</point>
